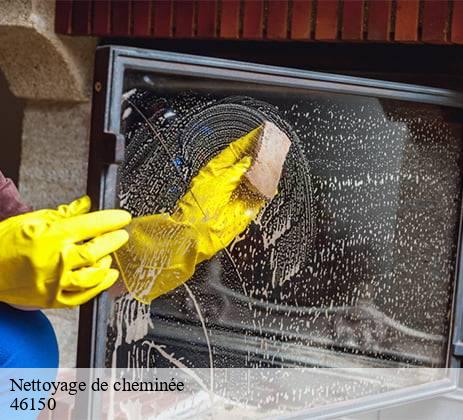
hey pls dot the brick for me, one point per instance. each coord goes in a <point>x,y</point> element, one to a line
<point>434,26</point>
<point>352,21</point>
<point>457,22</point>
<point>301,19</point>
<point>379,20</point>
<point>406,20</point>
<point>141,17</point>
<point>207,18</point>
<point>326,25</point>
<point>253,19</point>
<point>101,23</point>
<point>229,20</point>
<point>120,18</point>
<point>277,19</point>
<point>63,16</point>
<point>162,21</point>
<point>81,17</point>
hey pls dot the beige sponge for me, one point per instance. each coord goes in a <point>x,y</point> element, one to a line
<point>270,153</point>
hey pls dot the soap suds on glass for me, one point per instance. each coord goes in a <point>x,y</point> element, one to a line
<point>361,233</point>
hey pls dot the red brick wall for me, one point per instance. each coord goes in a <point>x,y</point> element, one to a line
<point>424,21</point>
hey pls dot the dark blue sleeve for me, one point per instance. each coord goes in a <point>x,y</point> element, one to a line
<point>27,339</point>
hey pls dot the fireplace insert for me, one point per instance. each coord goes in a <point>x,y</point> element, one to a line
<point>355,263</point>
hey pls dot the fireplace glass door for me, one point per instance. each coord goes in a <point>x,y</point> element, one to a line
<point>354,263</point>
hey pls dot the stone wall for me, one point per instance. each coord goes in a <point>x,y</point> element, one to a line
<point>52,75</point>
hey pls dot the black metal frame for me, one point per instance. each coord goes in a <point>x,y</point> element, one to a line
<point>107,148</point>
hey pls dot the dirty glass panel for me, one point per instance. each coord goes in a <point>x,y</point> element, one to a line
<point>351,264</point>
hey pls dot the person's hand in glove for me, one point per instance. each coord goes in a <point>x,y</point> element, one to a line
<point>44,261</point>
<point>164,249</point>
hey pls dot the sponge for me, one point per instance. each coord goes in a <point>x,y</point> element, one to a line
<point>270,152</point>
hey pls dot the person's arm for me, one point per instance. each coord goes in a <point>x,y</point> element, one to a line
<point>56,258</point>
<point>10,201</point>
<point>164,250</point>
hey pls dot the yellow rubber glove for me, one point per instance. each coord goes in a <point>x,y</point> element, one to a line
<point>164,249</point>
<point>45,264</point>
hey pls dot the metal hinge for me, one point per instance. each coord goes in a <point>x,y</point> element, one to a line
<point>110,148</point>
<point>458,349</point>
